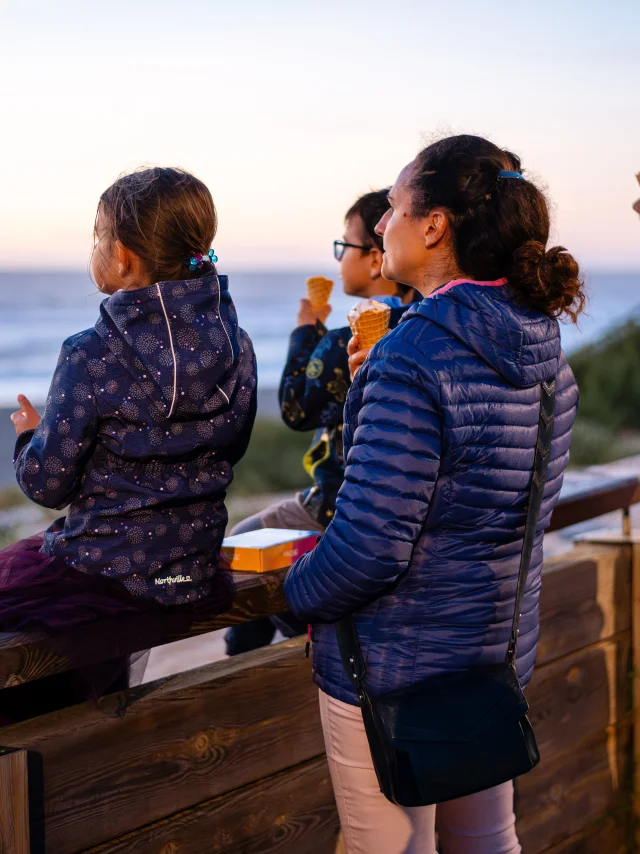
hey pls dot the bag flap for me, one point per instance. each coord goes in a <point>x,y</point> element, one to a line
<point>456,707</point>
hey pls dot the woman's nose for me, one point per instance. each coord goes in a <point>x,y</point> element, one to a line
<point>380,227</point>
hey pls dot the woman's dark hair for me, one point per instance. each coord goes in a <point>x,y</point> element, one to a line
<point>500,225</point>
<point>163,215</point>
<point>371,208</point>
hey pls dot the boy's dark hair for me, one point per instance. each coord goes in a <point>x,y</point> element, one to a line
<point>371,208</point>
<point>162,215</point>
<point>500,225</point>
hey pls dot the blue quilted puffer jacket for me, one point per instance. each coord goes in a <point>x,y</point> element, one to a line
<point>440,430</point>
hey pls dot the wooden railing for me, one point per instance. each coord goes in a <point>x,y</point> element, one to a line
<point>27,657</point>
<point>230,757</point>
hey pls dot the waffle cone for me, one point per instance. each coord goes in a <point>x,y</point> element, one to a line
<point>318,292</point>
<point>370,326</point>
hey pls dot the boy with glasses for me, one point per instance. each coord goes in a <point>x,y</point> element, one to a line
<point>314,385</point>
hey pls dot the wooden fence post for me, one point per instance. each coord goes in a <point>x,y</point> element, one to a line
<point>635,629</point>
<point>632,540</point>
<point>14,802</point>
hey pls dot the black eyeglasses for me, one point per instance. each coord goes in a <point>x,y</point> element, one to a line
<point>339,246</point>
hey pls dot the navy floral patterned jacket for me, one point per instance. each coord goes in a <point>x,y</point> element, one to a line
<point>146,416</point>
<point>313,389</point>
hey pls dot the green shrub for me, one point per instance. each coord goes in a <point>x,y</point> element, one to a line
<point>608,374</point>
<point>273,462</point>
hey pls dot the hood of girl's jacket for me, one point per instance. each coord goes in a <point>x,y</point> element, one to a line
<point>179,340</point>
<point>521,344</point>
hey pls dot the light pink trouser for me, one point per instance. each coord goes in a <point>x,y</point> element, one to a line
<point>479,824</point>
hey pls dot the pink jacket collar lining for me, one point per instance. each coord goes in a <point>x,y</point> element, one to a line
<point>496,284</point>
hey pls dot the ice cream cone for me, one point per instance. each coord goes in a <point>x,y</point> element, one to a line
<point>369,320</point>
<point>319,291</point>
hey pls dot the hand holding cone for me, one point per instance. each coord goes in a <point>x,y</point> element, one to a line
<point>318,292</point>
<point>369,320</point>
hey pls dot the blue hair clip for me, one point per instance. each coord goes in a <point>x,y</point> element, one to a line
<point>197,260</point>
<point>504,173</point>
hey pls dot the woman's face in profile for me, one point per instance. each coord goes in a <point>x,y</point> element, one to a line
<point>403,235</point>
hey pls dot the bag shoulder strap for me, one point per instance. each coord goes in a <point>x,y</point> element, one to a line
<point>348,642</point>
<point>536,492</point>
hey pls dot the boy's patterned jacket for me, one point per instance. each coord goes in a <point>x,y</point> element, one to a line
<point>313,389</point>
<point>146,416</point>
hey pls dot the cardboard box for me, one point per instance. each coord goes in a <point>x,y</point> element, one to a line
<point>267,549</point>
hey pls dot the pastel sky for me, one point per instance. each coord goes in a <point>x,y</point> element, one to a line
<point>289,110</point>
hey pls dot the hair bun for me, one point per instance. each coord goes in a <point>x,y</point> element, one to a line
<point>551,277</point>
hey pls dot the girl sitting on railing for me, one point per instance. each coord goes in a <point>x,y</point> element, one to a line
<point>147,414</point>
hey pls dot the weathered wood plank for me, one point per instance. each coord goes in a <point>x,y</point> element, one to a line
<point>594,501</point>
<point>14,802</point>
<point>635,643</point>
<point>585,598</point>
<point>183,740</point>
<point>26,657</point>
<point>602,837</point>
<point>291,813</point>
<point>582,694</point>
<point>205,732</point>
<point>572,789</point>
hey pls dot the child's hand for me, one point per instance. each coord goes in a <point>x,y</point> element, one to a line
<point>27,417</point>
<point>356,355</point>
<point>308,317</point>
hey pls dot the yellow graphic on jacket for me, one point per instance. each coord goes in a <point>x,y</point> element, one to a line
<point>338,387</point>
<point>317,454</point>
<point>315,369</point>
<point>291,409</point>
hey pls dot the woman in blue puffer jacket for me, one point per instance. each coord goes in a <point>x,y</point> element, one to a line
<point>440,430</point>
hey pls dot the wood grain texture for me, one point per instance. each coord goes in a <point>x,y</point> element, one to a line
<point>585,598</point>
<point>582,694</point>
<point>25,657</point>
<point>574,788</point>
<point>14,802</point>
<point>602,837</point>
<point>591,502</point>
<point>180,741</point>
<point>290,813</point>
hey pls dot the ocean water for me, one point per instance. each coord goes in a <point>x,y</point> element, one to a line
<point>38,310</point>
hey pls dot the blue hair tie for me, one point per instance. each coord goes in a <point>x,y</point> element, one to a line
<point>504,173</point>
<point>197,260</point>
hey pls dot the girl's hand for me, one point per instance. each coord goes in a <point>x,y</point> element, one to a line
<point>356,355</point>
<point>27,417</point>
<point>308,317</point>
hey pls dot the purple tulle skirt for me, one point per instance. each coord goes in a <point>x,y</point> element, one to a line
<point>43,594</point>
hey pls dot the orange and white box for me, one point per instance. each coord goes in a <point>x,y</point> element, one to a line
<point>267,549</point>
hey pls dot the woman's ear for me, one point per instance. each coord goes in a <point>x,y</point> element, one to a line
<point>375,263</point>
<point>436,227</point>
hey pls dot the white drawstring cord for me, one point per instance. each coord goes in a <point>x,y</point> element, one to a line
<point>173,353</point>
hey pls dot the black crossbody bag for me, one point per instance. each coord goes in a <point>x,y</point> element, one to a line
<point>460,733</point>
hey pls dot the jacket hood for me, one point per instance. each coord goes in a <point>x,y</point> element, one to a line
<point>179,340</point>
<point>521,344</point>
